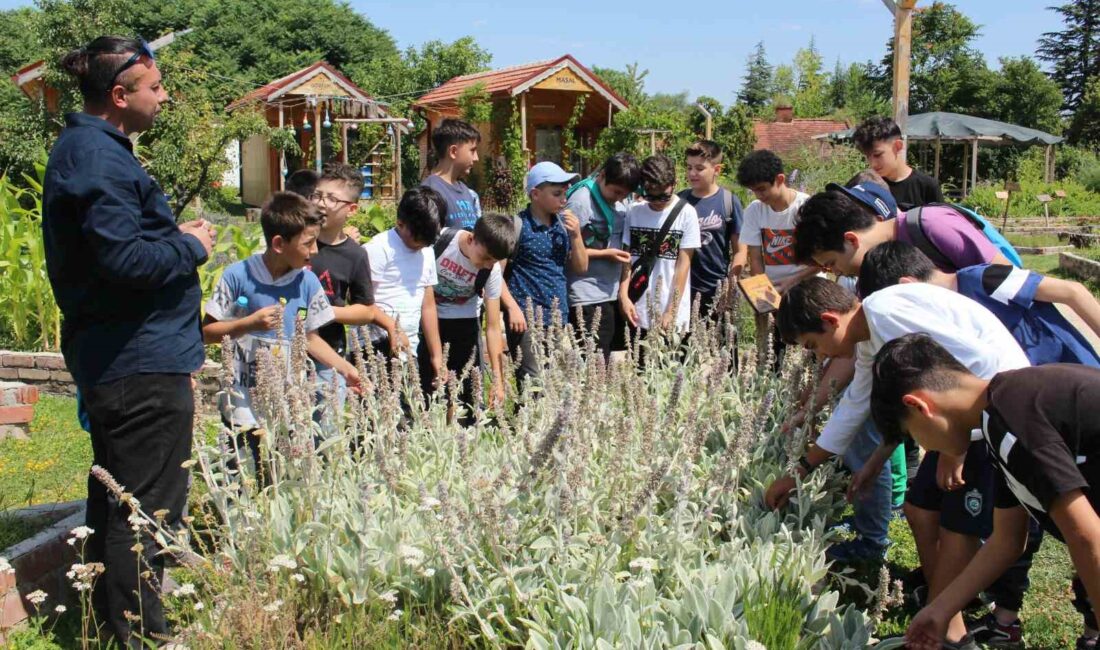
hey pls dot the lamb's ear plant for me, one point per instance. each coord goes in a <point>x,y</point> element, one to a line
<point>614,507</point>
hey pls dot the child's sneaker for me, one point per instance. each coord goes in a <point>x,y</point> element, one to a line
<point>1087,643</point>
<point>856,551</point>
<point>988,632</point>
<point>965,643</point>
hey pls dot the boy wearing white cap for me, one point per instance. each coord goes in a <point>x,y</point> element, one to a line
<point>550,238</point>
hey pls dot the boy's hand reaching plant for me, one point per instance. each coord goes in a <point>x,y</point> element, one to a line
<point>780,491</point>
<point>927,630</point>
<point>517,322</point>
<point>351,376</point>
<point>398,342</point>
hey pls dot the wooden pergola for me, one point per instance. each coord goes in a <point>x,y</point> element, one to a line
<point>312,102</point>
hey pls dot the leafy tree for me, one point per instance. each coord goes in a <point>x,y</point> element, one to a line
<point>628,84</point>
<point>756,88</point>
<point>783,85</point>
<point>1074,52</point>
<point>853,93</point>
<point>669,101</point>
<point>1084,128</point>
<point>811,97</point>
<point>731,128</point>
<point>1023,94</point>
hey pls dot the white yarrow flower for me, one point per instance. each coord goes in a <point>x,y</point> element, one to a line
<point>755,645</point>
<point>199,606</point>
<point>36,597</point>
<point>389,597</point>
<point>81,532</point>
<point>411,555</point>
<point>644,564</point>
<point>395,616</point>
<point>282,561</point>
<point>5,567</point>
<point>60,609</point>
<point>299,578</point>
<point>273,606</point>
<point>186,589</point>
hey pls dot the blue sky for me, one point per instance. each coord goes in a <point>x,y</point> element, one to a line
<point>700,47</point>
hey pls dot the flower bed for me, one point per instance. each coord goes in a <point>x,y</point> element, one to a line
<point>615,509</point>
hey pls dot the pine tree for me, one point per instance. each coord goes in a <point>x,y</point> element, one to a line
<point>756,88</point>
<point>1074,51</point>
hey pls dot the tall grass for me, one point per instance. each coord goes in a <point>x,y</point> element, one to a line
<point>29,317</point>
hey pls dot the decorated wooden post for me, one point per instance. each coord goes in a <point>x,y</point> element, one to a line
<point>903,39</point>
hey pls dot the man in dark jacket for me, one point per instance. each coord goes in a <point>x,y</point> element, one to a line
<point>125,277</point>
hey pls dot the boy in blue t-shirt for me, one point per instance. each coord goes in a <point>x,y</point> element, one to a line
<point>246,303</point>
<point>454,143</point>
<point>1025,302</point>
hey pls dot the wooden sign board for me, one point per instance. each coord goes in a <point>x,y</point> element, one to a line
<point>320,85</point>
<point>1044,198</point>
<point>1012,186</point>
<point>564,79</point>
<point>1061,194</point>
<point>760,292</point>
<point>1002,195</point>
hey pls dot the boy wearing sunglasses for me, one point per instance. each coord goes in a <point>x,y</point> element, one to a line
<point>665,228</point>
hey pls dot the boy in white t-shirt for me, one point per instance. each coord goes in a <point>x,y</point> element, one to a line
<point>402,269</point>
<point>768,226</point>
<point>666,303</point>
<point>467,264</point>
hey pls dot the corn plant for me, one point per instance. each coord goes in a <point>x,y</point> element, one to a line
<point>614,507</point>
<point>29,317</point>
<point>234,243</point>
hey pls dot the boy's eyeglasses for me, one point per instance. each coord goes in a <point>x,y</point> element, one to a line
<point>144,50</point>
<point>657,198</point>
<point>330,199</point>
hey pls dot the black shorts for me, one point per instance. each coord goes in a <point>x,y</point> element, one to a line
<point>968,510</point>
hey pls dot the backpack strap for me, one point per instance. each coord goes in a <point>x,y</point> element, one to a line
<point>655,248</point>
<point>915,229</point>
<point>481,280</point>
<point>446,236</point>
<point>727,203</point>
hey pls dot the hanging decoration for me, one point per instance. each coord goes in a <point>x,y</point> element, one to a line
<point>328,122</point>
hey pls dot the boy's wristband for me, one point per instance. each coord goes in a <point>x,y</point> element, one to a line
<point>805,465</point>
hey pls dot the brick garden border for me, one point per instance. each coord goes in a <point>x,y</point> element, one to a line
<point>48,372</point>
<point>40,562</point>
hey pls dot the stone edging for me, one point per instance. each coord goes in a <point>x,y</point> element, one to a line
<point>1081,267</point>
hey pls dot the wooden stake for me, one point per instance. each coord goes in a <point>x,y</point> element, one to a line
<point>936,168</point>
<point>903,37</point>
<point>523,119</point>
<point>974,167</point>
<point>344,143</point>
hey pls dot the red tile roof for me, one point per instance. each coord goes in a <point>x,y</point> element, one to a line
<point>264,92</point>
<point>505,80</point>
<point>786,137</point>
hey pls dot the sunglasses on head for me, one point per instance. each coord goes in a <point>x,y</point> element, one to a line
<point>143,51</point>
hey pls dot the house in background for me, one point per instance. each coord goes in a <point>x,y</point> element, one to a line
<point>787,135</point>
<point>319,104</point>
<point>545,94</point>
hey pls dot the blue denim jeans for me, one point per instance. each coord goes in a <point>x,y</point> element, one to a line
<point>873,507</point>
<point>323,413</point>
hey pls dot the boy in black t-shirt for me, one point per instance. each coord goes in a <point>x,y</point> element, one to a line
<point>1042,428</point>
<point>879,139</point>
<point>343,268</point>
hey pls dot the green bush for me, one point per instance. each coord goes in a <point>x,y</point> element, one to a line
<point>377,218</point>
<point>1079,201</point>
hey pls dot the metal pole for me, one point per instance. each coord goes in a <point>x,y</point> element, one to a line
<point>966,167</point>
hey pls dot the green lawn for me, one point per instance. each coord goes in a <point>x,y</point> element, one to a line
<point>53,464</point>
